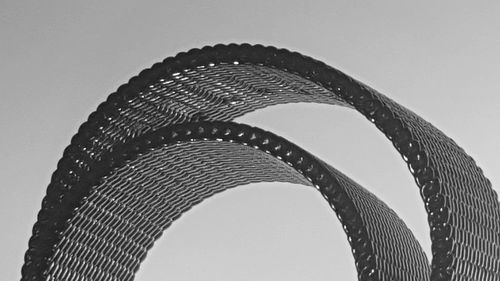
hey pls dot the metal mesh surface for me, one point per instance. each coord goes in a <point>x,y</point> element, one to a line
<point>132,207</point>
<point>219,84</point>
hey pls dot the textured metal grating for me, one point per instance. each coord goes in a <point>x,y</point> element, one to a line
<point>162,143</point>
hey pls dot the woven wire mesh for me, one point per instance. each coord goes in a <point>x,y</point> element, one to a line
<point>220,84</point>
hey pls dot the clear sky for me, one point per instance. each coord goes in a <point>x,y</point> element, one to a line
<point>60,59</point>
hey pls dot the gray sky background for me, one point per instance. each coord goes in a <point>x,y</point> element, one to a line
<point>60,59</point>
